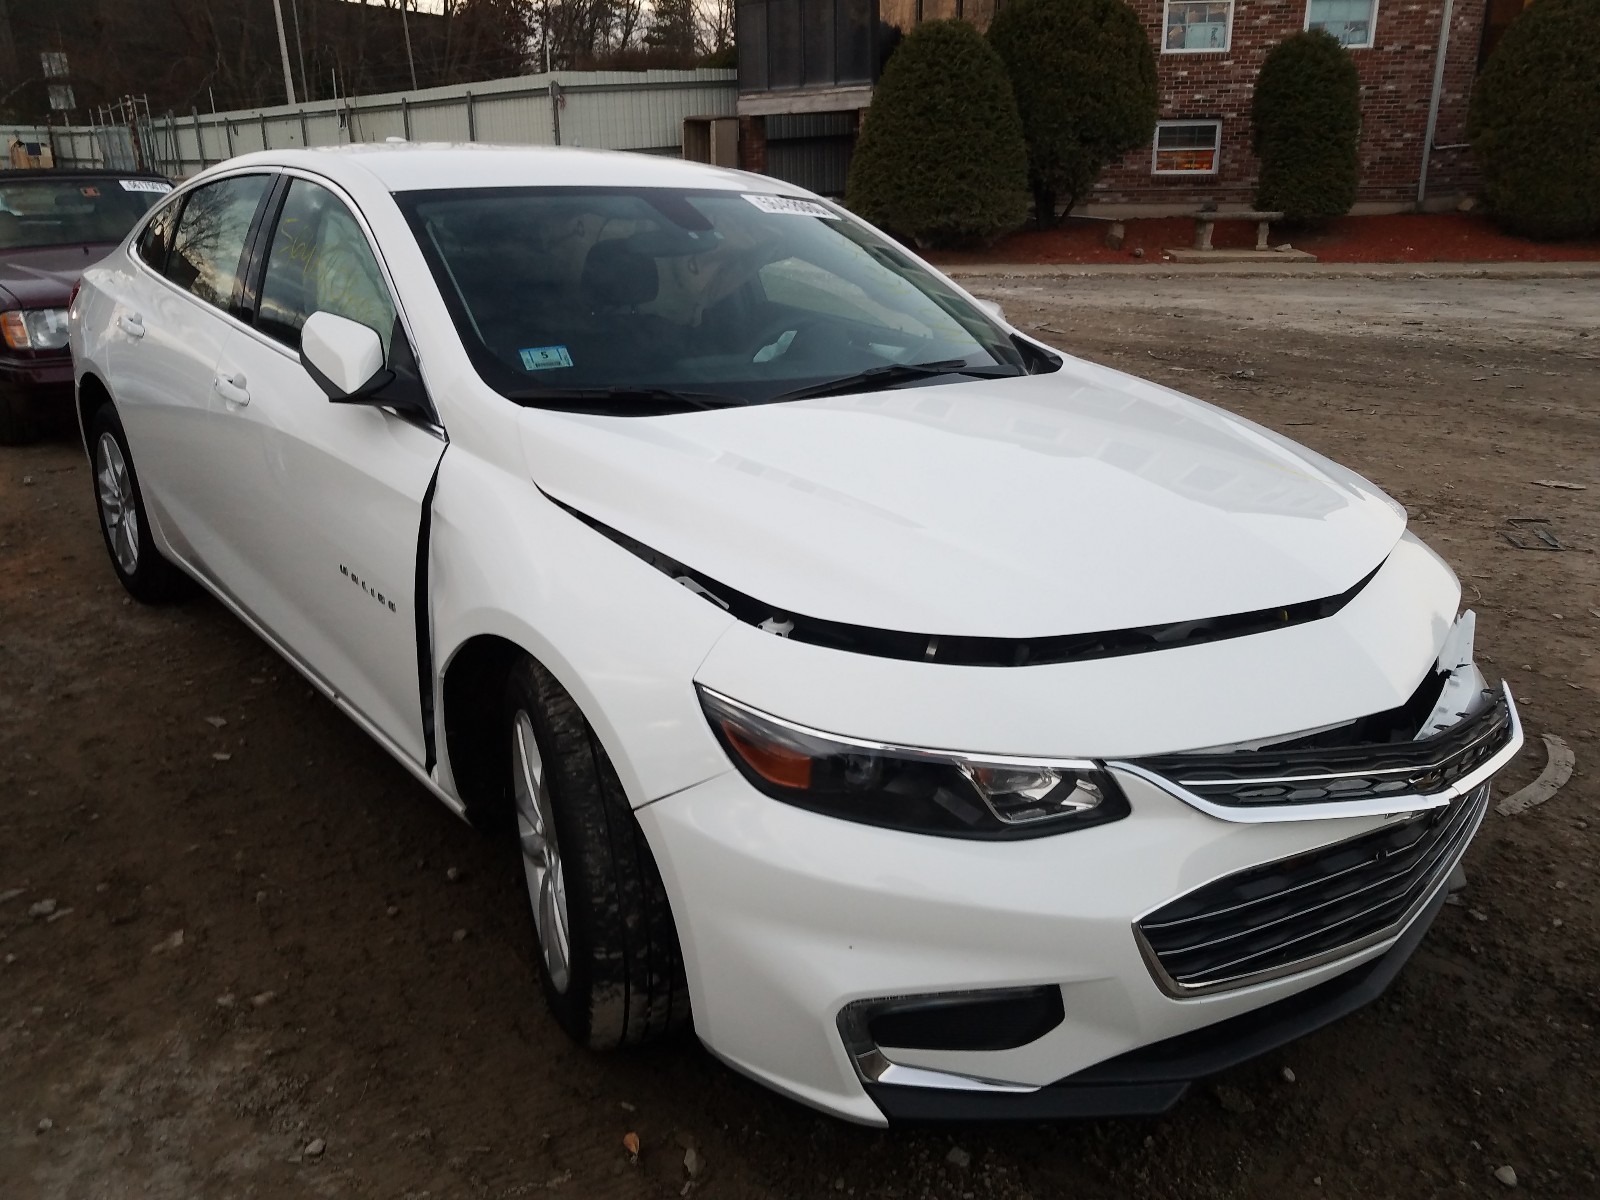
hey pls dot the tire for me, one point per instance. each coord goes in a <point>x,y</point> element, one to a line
<point>124,526</point>
<point>18,422</point>
<point>608,957</point>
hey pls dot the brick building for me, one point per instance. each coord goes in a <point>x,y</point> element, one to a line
<point>1208,56</point>
<point>806,68</point>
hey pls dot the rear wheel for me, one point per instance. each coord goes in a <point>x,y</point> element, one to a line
<point>608,951</point>
<point>148,576</point>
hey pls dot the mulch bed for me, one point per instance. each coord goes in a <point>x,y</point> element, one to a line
<point>1401,238</point>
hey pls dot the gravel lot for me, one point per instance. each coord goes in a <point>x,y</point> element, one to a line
<point>243,954</point>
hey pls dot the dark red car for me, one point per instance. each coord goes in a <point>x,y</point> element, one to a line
<point>53,224</point>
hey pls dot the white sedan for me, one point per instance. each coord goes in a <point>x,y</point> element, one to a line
<point>953,727</point>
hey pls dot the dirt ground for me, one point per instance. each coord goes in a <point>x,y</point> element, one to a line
<point>265,937</point>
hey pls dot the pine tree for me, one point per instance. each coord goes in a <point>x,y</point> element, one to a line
<point>941,159</point>
<point>1085,81</point>
<point>1307,127</point>
<point>1535,122</point>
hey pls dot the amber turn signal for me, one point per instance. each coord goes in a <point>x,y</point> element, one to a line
<point>777,764</point>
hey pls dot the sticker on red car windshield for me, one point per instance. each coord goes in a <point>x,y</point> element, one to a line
<point>145,185</point>
<point>790,206</point>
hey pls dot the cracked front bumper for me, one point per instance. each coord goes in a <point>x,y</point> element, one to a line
<point>787,918</point>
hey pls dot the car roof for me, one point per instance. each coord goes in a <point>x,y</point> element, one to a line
<point>419,166</point>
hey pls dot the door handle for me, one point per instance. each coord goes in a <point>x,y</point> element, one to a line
<point>231,387</point>
<point>131,324</point>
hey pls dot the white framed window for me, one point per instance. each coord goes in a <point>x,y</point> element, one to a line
<point>1198,26</point>
<point>1353,22</point>
<point>1186,148</point>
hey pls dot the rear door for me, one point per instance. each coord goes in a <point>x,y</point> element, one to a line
<point>176,309</point>
<point>323,505</point>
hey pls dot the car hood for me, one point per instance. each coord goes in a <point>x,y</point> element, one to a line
<point>43,277</point>
<point>1076,502</point>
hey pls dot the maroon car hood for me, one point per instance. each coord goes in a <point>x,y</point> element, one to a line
<point>43,277</point>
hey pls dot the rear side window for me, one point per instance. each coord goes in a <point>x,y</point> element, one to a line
<point>156,239</point>
<point>320,261</point>
<point>211,234</point>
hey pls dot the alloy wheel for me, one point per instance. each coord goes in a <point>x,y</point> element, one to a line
<point>114,485</point>
<point>541,857</point>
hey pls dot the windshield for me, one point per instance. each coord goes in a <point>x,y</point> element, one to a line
<point>64,212</point>
<point>609,299</point>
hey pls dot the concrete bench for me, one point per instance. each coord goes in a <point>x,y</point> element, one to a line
<point>1206,219</point>
<point>1116,230</point>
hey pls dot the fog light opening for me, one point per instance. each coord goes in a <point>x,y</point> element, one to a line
<point>990,1020</point>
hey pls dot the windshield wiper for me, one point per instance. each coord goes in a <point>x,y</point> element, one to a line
<point>601,397</point>
<point>876,378</point>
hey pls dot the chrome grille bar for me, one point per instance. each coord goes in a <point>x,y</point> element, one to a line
<point>1318,928</point>
<point>1320,883</point>
<point>1482,745</point>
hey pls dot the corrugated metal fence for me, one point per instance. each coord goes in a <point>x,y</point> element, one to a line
<point>610,110</point>
<point>812,149</point>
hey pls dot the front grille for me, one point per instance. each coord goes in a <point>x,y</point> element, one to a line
<point>1315,774</point>
<point>1290,915</point>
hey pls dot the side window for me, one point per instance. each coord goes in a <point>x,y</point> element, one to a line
<point>211,235</point>
<point>320,261</point>
<point>156,239</point>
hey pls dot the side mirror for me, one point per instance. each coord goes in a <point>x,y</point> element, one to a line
<point>992,307</point>
<point>344,357</point>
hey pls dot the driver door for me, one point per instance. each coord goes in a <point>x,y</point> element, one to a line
<point>325,506</point>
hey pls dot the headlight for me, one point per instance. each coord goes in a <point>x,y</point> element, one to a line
<point>903,787</point>
<point>35,329</point>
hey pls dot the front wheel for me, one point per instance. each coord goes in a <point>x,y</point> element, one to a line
<point>608,951</point>
<point>148,576</point>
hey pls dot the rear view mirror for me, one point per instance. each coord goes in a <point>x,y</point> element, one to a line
<point>343,356</point>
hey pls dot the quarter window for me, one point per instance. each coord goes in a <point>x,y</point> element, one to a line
<point>156,237</point>
<point>1351,21</point>
<point>1187,147</point>
<point>211,235</point>
<point>320,261</point>
<point>1207,25</point>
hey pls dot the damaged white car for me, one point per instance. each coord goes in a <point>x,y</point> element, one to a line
<point>946,726</point>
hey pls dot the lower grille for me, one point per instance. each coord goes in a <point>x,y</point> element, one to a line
<point>1296,913</point>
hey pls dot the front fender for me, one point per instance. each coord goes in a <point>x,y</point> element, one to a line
<point>623,639</point>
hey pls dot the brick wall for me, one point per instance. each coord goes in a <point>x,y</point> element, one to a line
<point>753,143</point>
<point>1396,84</point>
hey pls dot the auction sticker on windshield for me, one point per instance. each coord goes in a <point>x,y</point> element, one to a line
<point>144,185</point>
<point>543,358</point>
<point>788,205</point>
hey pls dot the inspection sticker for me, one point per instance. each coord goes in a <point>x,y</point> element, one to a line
<point>789,206</point>
<point>144,185</point>
<point>543,358</point>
